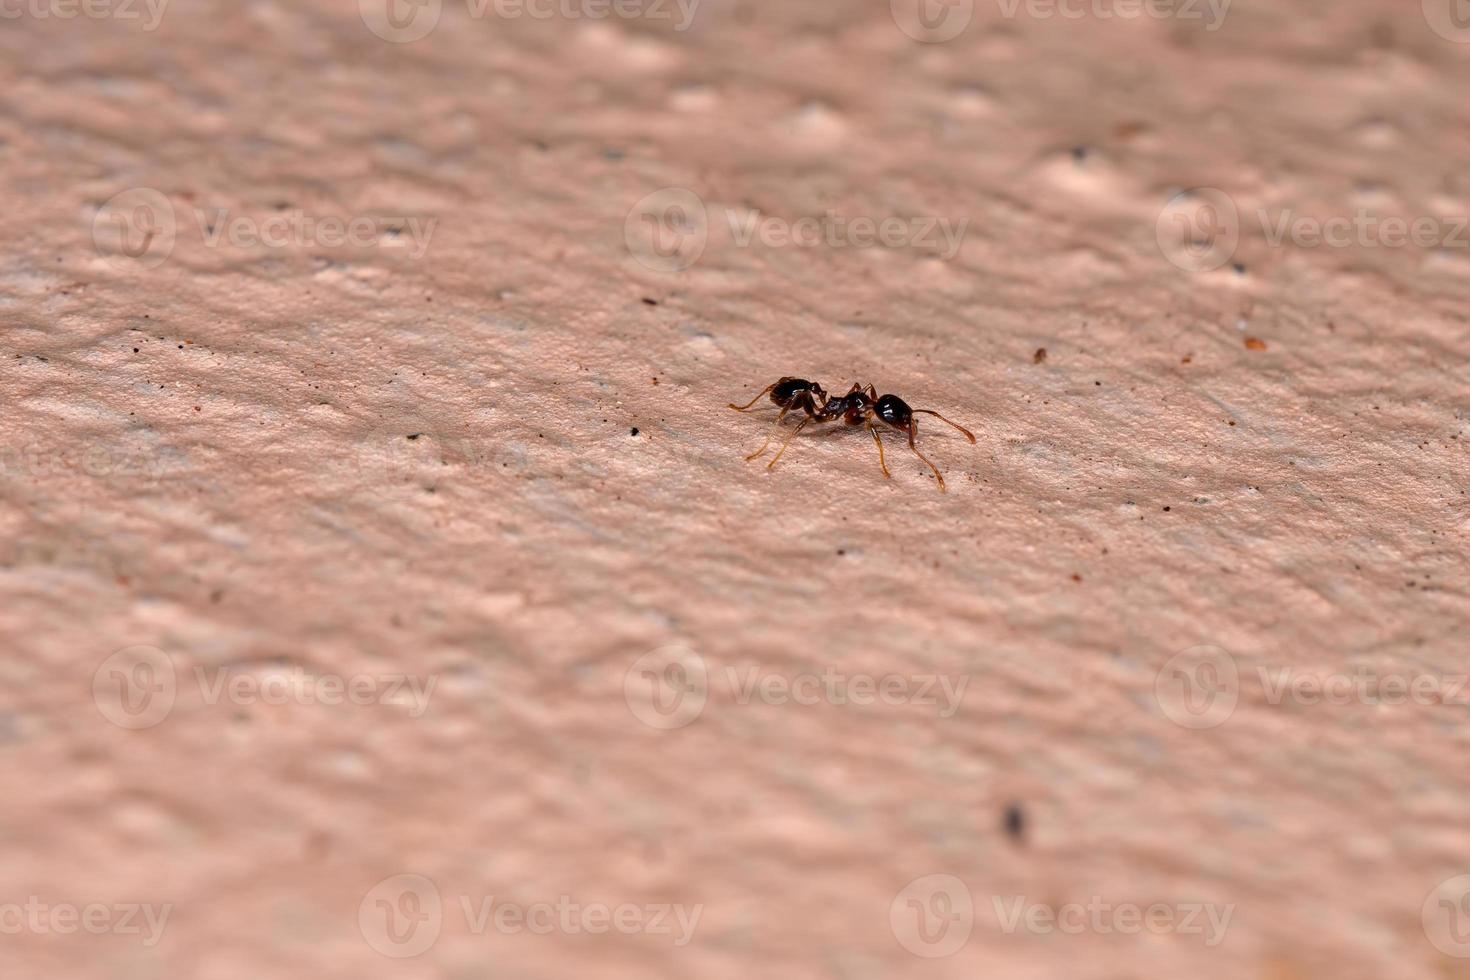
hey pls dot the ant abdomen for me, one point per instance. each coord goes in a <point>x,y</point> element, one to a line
<point>894,410</point>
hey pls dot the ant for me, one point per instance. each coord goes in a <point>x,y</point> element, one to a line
<point>862,405</point>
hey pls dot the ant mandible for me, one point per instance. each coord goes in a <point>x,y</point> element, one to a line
<point>862,405</point>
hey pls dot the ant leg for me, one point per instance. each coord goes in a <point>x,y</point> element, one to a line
<point>913,431</point>
<point>881,464</point>
<point>800,425</point>
<point>762,450</point>
<point>741,408</point>
<point>968,434</point>
<point>871,392</point>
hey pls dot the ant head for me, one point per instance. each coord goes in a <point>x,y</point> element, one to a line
<point>895,411</point>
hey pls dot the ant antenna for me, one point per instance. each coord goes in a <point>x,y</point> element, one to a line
<point>968,434</point>
<point>741,408</point>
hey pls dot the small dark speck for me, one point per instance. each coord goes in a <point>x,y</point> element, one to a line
<point>634,432</point>
<point>1167,509</point>
<point>842,551</point>
<point>1039,356</point>
<point>1079,153</point>
<point>1239,268</point>
<point>135,350</point>
<point>650,301</point>
<point>1015,822</point>
<point>1098,383</point>
<point>414,436</point>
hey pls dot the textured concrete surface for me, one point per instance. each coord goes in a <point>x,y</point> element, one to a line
<point>355,588</point>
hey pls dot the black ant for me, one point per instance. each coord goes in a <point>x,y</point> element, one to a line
<point>860,406</point>
<point>792,394</point>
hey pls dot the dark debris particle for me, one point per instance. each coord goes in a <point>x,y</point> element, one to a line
<point>1167,509</point>
<point>650,301</point>
<point>1039,356</point>
<point>1015,822</point>
<point>634,432</point>
<point>414,436</point>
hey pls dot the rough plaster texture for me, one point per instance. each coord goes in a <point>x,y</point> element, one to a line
<point>214,456</point>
